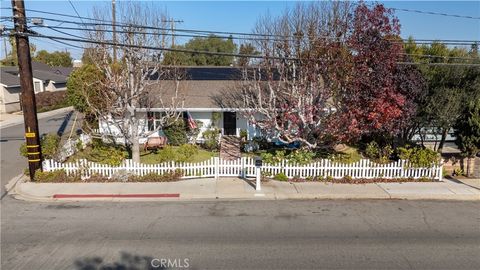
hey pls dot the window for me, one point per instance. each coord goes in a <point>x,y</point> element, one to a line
<point>154,120</point>
<point>37,87</point>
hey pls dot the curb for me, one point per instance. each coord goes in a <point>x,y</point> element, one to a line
<point>19,194</point>
<point>87,196</point>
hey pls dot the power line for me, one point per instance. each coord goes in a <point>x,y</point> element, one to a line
<point>418,41</point>
<point>78,15</point>
<point>155,48</point>
<point>197,31</point>
<point>436,13</point>
<point>219,53</point>
<point>418,55</point>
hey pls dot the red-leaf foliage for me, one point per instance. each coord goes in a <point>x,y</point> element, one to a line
<point>372,102</point>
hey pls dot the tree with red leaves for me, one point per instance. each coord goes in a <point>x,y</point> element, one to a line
<point>372,101</point>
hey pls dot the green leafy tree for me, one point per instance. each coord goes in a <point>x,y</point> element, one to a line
<point>447,86</point>
<point>210,44</point>
<point>247,49</point>
<point>11,58</point>
<point>83,88</point>
<point>54,59</point>
<point>468,128</point>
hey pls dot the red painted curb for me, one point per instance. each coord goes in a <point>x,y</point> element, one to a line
<point>162,195</point>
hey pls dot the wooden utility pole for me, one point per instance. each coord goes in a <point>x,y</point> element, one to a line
<point>34,151</point>
<point>172,28</point>
<point>114,35</point>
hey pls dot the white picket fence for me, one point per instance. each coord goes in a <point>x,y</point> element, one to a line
<point>245,167</point>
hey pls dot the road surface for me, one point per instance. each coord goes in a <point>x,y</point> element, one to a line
<point>12,164</point>
<point>322,234</point>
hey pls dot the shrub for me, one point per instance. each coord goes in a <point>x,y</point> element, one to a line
<point>49,144</point>
<point>419,157</point>
<point>176,133</point>
<point>211,139</point>
<point>301,156</point>
<point>107,154</point>
<point>280,177</point>
<point>329,178</point>
<point>57,176</point>
<point>185,152</point>
<point>380,154</point>
<point>273,158</point>
<point>46,101</point>
<point>347,178</point>
<point>155,177</point>
<point>243,134</point>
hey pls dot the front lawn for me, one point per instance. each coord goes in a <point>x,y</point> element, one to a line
<point>114,156</point>
<point>176,153</point>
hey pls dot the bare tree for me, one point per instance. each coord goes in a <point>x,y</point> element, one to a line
<point>127,84</point>
<point>291,94</point>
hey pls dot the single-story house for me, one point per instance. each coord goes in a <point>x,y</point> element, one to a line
<point>199,90</point>
<point>45,78</point>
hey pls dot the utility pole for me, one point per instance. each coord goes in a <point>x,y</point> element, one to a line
<point>114,35</point>
<point>172,28</point>
<point>5,46</point>
<point>34,153</point>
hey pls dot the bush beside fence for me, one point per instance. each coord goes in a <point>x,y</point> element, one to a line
<point>245,167</point>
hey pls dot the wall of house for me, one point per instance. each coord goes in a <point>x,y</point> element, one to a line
<point>51,86</point>
<point>107,128</point>
<point>10,99</point>
<point>38,85</point>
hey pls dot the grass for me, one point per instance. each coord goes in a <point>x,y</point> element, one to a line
<point>347,155</point>
<point>152,157</point>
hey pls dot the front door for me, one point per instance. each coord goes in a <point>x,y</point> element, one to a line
<point>229,123</point>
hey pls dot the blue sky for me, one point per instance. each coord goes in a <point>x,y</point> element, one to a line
<point>240,16</point>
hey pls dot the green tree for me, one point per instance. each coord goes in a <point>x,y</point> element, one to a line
<point>467,128</point>
<point>83,88</point>
<point>54,59</point>
<point>247,49</point>
<point>210,44</point>
<point>447,86</point>
<point>11,58</point>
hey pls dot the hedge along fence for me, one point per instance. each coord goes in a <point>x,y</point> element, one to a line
<point>245,167</point>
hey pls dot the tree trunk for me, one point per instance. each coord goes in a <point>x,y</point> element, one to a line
<point>468,167</point>
<point>442,140</point>
<point>135,143</point>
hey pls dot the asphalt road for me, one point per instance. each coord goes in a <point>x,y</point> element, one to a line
<point>383,234</point>
<point>12,164</point>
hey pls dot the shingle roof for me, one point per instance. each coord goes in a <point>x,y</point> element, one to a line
<point>40,71</point>
<point>195,93</point>
<point>48,75</point>
<point>7,78</point>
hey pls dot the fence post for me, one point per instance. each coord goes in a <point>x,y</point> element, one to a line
<point>258,186</point>
<point>216,167</point>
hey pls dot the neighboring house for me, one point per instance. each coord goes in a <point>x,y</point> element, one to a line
<point>199,90</point>
<point>9,94</point>
<point>45,78</point>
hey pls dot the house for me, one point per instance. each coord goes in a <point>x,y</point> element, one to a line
<point>199,89</point>
<point>45,78</point>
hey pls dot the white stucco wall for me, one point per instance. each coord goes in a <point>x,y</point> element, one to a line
<point>107,127</point>
<point>10,99</point>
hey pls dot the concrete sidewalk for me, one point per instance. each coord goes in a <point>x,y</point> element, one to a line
<point>12,119</point>
<point>239,189</point>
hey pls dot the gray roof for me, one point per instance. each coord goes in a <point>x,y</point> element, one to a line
<point>7,78</point>
<point>195,93</point>
<point>9,75</point>
<point>49,76</point>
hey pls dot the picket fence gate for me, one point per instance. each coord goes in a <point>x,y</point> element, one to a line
<point>245,167</point>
